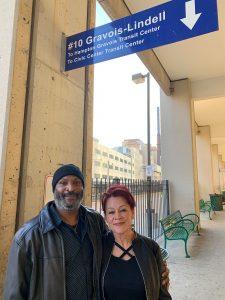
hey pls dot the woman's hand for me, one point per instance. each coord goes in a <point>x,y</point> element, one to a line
<point>165,276</point>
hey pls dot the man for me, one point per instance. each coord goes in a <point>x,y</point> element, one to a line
<point>57,255</point>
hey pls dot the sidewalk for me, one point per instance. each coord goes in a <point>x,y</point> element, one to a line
<point>201,277</point>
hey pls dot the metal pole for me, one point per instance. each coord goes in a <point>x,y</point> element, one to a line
<point>138,78</point>
<point>149,158</point>
<point>158,139</point>
<point>148,121</point>
<point>108,171</point>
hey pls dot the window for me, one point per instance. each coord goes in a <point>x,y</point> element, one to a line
<point>97,151</point>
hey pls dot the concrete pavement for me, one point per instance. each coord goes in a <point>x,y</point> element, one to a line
<point>201,277</point>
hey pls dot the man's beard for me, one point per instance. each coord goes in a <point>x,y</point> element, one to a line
<point>61,202</point>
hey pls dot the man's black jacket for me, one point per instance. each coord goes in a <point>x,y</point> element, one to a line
<point>36,269</point>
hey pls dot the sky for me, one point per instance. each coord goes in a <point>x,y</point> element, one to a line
<point>120,105</point>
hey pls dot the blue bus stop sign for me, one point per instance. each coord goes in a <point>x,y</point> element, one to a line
<point>167,23</point>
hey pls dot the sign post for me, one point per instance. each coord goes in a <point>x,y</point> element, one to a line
<point>167,23</point>
<point>149,170</point>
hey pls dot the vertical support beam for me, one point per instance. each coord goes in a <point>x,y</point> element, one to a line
<point>204,159</point>
<point>222,173</point>
<point>22,11</point>
<point>215,168</point>
<point>178,147</point>
<point>88,112</point>
<point>158,138</point>
<point>54,125</point>
<point>8,26</point>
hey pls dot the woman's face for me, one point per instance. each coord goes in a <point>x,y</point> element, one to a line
<point>118,214</point>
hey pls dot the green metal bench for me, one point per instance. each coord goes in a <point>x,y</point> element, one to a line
<point>165,254</point>
<point>205,207</point>
<point>178,227</point>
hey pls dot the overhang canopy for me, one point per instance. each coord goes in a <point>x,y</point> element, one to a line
<point>200,59</point>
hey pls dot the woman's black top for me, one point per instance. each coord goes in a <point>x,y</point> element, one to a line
<point>123,280</point>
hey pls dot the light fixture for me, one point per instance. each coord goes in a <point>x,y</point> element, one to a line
<point>138,78</point>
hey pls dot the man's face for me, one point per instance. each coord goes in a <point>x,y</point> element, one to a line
<point>68,193</point>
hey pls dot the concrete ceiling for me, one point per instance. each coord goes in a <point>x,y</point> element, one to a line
<point>202,60</point>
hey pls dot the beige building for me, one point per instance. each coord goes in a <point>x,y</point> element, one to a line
<point>125,162</point>
<point>110,164</point>
<point>137,146</point>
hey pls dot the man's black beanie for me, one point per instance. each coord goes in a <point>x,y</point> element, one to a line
<point>66,170</point>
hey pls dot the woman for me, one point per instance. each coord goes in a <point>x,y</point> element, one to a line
<point>132,264</point>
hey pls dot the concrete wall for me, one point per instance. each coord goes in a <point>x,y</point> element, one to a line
<point>178,147</point>
<point>222,173</point>
<point>56,103</point>
<point>215,169</point>
<point>204,159</point>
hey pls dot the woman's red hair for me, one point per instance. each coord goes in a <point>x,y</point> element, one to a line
<point>118,190</point>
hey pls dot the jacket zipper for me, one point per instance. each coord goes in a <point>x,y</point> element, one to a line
<point>63,257</point>
<point>94,269</point>
<point>142,277</point>
<point>103,277</point>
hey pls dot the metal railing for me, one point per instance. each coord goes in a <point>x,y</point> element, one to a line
<point>152,202</point>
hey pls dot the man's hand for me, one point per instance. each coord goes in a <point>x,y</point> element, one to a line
<point>165,276</point>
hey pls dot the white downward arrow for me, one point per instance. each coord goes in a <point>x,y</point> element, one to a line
<point>191,17</point>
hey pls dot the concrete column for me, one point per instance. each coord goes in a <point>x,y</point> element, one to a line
<point>222,173</point>
<point>8,25</point>
<point>59,104</point>
<point>204,159</point>
<point>178,147</point>
<point>8,29</point>
<point>215,167</point>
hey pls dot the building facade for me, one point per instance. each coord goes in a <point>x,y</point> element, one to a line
<point>124,162</point>
<point>137,146</point>
<point>112,164</point>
